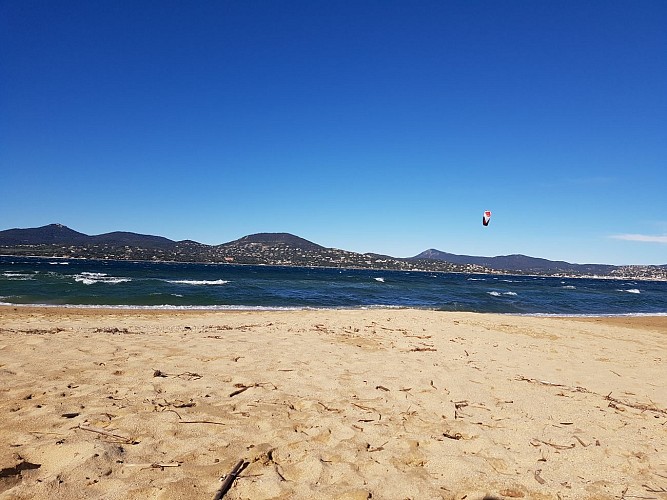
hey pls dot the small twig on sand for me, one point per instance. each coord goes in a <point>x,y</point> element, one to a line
<point>552,384</point>
<point>328,408</point>
<point>242,388</point>
<point>366,408</point>
<point>184,375</point>
<point>536,442</point>
<point>650,489</point>
<point>227,483</point>
<point>453,435</point>
<point>636,406</point>
<point>155,465</point>
<point>200,422</point>
<point>457,406</point>
<point>109,434</point>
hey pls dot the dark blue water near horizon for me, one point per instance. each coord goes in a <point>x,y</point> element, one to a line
<point>97,283</point>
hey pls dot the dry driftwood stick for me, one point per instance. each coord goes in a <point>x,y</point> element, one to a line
<point>536,442</point>
<point>227,483</point>
<point>200,422</point>
<point>453,435</point>
<point>636,406</point>
<point>155,465</point>
<point>242,389</point>
<point>110,434</point>
<point>366,408</point>
<point>329,409</point>
<point>552,384</point>
<point>539,478</point>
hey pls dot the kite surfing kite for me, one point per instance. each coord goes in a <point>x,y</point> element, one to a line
<point>486,217</point>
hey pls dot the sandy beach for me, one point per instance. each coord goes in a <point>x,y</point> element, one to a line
<point>345,404</point>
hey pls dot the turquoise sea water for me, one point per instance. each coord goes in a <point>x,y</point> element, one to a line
<point>25,280</point>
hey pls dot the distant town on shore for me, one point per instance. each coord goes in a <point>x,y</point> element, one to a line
<point>284,249</point>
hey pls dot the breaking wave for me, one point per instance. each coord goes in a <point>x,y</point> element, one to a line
<point>198,282</point>
<point>18,276</point>
<point>499,294</point>
<point>92,278</point>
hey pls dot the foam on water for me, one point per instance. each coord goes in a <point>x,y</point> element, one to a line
<point>91,278</point>
<point>18,276</point>
<point>172,285</point>
<point>198,282</point>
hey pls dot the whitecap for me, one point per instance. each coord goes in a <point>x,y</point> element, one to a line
<point>509,293</point>
<point>198,282</point>
<point>569,287</point>
<point>91,278</point>
<point>114,281</point>
<point>631,290</point>
<point>495,294</point>
<point>18,276</point>
<point>381,280</point>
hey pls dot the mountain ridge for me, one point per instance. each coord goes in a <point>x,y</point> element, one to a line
<point>514,262</point>
<point>275,249</point>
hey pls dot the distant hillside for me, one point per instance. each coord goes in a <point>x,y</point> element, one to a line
<point>120,238</point>
<point>273,239</point>
<point>521,263</point>
<point>57,234</point>
<point>284,249</point>
<point>53,234</point>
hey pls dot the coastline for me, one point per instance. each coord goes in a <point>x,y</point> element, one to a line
<point>488,272</point>
<point>330,403</point>
<point>259,309</point>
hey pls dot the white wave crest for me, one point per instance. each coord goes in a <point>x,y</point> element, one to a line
<point>18,276</point>
<point>569,287</point>
<point>92,278</point>
<point>198,282</point>
<point>631,290</point>
<point>495,294</point>
<point>499,294</point>
<point>381,280</point>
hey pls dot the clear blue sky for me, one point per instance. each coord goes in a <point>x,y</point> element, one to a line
<point>372,126</point>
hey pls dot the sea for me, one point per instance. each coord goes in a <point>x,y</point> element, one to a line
<point>171,285</point>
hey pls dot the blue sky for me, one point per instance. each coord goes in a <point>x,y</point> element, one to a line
<point>372,126</point>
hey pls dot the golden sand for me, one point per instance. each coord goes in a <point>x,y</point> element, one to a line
<point>381,404</point>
